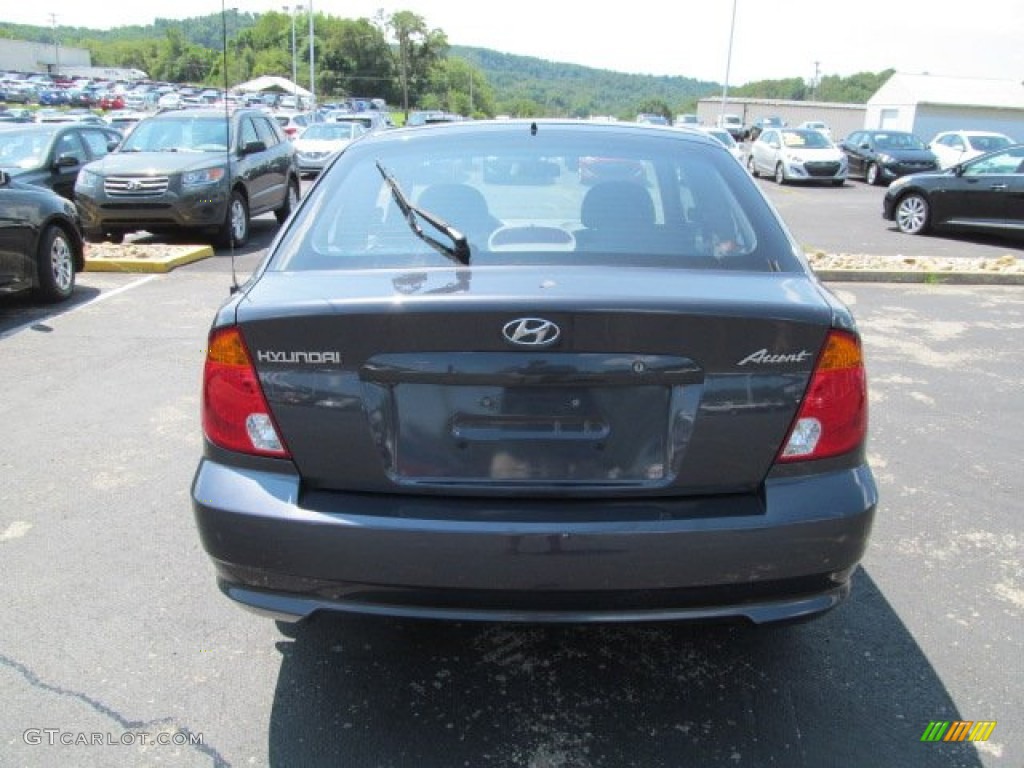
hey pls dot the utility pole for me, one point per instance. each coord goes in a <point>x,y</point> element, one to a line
<point>814,84</point>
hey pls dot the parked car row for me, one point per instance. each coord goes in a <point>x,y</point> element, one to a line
<point>62,184</point>
<point>963,181</point>
<point>183,169</point>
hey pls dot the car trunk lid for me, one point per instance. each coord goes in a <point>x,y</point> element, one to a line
<point>473,381</point>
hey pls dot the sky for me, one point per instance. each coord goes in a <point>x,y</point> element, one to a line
<point>769,40</point>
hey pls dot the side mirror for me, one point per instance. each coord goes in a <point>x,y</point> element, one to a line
<point>66,161</point>
<point>253,147</point>
<point>5,178</point>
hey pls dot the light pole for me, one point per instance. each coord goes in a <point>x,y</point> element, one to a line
<point>295,72</point>
<point>728,63</point>
<point>312,82</point>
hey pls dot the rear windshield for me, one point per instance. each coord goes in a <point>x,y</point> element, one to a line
<point>646,197</point>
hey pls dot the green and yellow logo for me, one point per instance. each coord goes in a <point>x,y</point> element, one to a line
<point>958,730</point>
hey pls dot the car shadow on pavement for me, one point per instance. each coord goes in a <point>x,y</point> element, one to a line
<point>851,688</point>
<point>1011,241</point>
<point>22,310</point>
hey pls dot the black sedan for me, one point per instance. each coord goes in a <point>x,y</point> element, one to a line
<point>51,154</point>
<point>879,157</point>
<point>985,194</point>
<point>40,241</point>
<point>620,398</point>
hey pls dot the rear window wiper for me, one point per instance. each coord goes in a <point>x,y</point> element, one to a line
<point>459,250</point>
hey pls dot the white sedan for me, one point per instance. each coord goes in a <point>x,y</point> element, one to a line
<point>797,154</point>
<point>321,141</point>
<point>952,147</point>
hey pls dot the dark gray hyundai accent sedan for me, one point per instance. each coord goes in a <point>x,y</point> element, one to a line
<point>470,381</point>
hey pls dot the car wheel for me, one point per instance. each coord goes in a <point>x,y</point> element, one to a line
<point>871,175</point>
<point>780,174</point>
<point>235,230</point>
<point>912,214</point>
<point>56,265</point>
<point>752,167</point>
<point>291,201</point>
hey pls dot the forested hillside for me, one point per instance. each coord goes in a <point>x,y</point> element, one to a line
<point>401,59</point>
<point>569,89</point>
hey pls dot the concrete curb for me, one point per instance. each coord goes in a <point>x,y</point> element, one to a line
<point>163,258</point>
<point>144,258</point>
<point>931,278</point>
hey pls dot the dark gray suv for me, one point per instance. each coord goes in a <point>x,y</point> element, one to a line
<point>198,169</point>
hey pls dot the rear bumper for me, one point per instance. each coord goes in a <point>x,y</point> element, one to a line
<point>788,555</point>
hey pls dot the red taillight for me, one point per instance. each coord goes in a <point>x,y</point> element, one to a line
<point>235,412</point>
<point>833,417</point>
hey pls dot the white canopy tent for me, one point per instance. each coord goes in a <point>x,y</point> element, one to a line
<point>273,83</point>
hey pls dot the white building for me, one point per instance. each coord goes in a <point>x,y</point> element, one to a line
<point>928,104</point>
<point>22,56</point>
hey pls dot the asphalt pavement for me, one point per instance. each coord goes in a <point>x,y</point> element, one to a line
<point>114,637</point>
<point>848,219</point>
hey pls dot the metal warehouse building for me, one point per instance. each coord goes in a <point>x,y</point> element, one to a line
<point>22,56</point>
<point>921,104</point>
<point>842,119</point>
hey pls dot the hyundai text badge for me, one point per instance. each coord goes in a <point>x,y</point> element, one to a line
<point>531,332</point>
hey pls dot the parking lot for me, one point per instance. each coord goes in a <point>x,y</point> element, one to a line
<point>115,638</point>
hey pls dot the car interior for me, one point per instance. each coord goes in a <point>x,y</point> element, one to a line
<point>671,216</point>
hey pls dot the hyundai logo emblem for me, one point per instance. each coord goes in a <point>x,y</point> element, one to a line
<point>531,332</point>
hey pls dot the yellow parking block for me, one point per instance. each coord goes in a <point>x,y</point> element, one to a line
<point>132,257</point>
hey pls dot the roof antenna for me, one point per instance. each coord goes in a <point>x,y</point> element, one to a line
<point>227,145</point>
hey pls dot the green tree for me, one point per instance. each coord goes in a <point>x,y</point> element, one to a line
<point>655,107</point>
<point>356,60</point>
<point>417,49</point>
<point>178,61</point>
<point>521,108</point>
<point>793,89</point>
<point>457,86</point>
